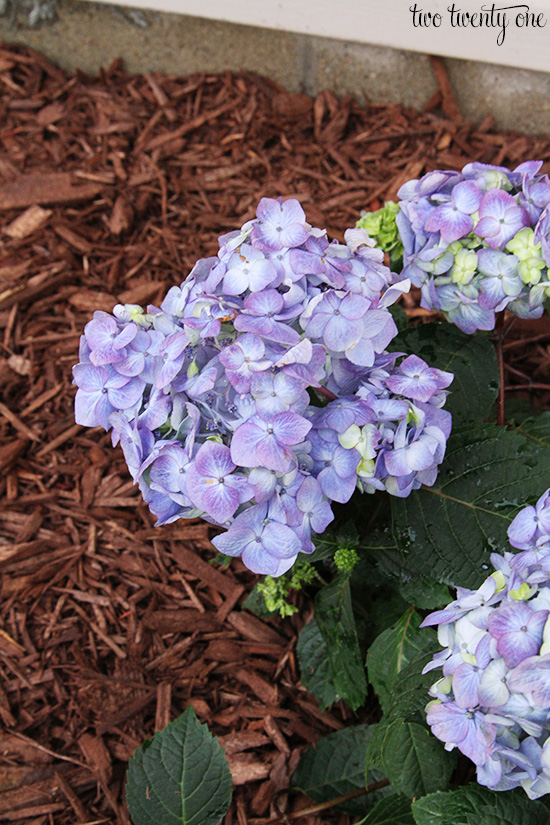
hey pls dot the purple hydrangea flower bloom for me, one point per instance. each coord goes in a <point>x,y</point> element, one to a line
<point>215,394</point>
<point>265,546</point>
<point>280,224</point>
<point>415,379</point>
<point>518,631</point>
<point>497,666</point>
<point>107,339</point>
<point>447,220</point>
<point>454,219</point>
<point>211,484</point>
<point>267,442</point>
<point>102,391</point>
<point>500,218</point>
<point>531,523</point>
<point>462,728</point>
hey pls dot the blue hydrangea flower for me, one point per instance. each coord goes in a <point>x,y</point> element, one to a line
<point>493,702</point>
<point>478,241</point>
<point>260,391</point>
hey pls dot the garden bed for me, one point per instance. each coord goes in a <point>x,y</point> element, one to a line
<point>110,189</point>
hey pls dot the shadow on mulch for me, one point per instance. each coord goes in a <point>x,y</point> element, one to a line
<point>110,188</point>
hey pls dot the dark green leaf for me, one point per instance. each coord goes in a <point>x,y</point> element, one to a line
<point>425,593</point>
<point>336,766</point>
<point>415,762</point>
<point>314,666</point>
<point>392,810</point>
<point>476,805</point>
<point>537,429</point>
<point>471,358</point>
<point>337,626</point>
<point>179,777</point>
<point>392,651</point>
<point>400,317</point>
<point>448,531</point>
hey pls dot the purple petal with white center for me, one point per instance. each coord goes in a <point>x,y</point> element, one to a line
<point>124,398</point>
<point>234,541</point>
<point>493,689</point>
<point>467,196</point>
<point>450,221</point>
<point>466,680</point>
<point>290,428</point>
<point>533,676</point>
<point>213,460</point>
<point>340,333</point>
<point>92,410</point>
<point>523,528</point>
<point>212,495</point>
<point>90,378</point>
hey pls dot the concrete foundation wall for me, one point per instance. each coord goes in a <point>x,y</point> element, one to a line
<point>89,35</point>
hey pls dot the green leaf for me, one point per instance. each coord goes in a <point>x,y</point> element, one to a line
<point>314,666</point>
<point>415,762</point>
<point>337,626</point>
<point>392,810</point>
<point>471,358</point>
<point>393,650</point>
<point>335,766</point>
<point>179,777</point>
<point>476,805</point>
<point>537,429</point>
<point>448,531</point>
<point>327,544</point>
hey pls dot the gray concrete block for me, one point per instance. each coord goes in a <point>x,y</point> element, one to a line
<point>381,74</point>
<point>518,99</point>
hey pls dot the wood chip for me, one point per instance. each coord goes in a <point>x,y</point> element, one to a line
<point>45,189</point>
<point>28,222</point>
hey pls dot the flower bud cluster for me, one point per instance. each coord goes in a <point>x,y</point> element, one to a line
<point>493,701</point>
<point>478,241</point>
<point>216,397</point>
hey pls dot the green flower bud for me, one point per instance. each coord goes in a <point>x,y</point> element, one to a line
<point>530,270</point>
<point>523,245</point>
<point>464,267</point>
<point>346,558</point>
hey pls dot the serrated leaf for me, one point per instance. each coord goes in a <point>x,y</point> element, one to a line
<point>392,810</point>
<point>179,777</point>
<point>336,623</point>
<point>471,358</point>
<point>392,651</point>
<point>448,531</point>
<point>476,805</point>
<point>538,429</point>
<point>335,766</point>
<point>415,762</point>
<point>314,666</point>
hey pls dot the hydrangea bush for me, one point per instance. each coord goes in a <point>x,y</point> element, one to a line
<point>476,242</point>
<point>266,394</point>
<point>261,390</point>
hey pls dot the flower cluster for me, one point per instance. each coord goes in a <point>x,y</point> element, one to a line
<point>478,241</point>
<point>493,701</point>
<point>217,396</point>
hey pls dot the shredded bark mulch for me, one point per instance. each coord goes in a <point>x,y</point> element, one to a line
<point>111,187</point>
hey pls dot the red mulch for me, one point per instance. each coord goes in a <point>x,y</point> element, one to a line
<point>110,188</point>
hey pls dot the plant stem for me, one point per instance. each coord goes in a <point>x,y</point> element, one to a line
<point>326,393</point>
<point>323,806</point>
<point>498,338</point>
